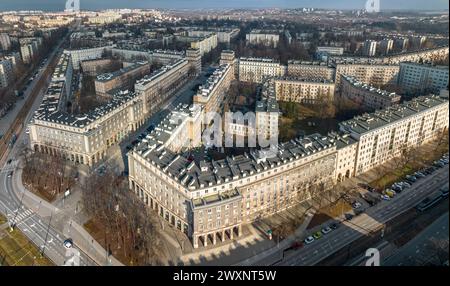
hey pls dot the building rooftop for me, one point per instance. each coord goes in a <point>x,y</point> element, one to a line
<point>196,175</point>
<point>369,122</point>
<point>369,88</point>
<point>110,76</point>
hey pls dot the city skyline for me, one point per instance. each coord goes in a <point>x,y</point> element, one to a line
<point>58,5</point>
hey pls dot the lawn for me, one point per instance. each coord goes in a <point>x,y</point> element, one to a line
<point>17,250</point>
<point>392,177</point>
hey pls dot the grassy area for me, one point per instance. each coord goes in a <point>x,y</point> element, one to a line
<point>17,250</point>
<point>329,212</point>
<point>426,155</point>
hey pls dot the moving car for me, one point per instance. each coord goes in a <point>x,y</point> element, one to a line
<point>68,243</point>
<point>10,174</point>
<point>309,240</point>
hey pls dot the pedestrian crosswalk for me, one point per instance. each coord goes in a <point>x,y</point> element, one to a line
<point>14,218</point>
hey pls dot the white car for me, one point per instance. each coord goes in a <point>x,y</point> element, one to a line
<point>356,205</point>
<point>309,240</point>
<point>326,230</point>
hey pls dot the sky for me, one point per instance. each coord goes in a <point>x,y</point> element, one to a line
<point>58,5</point>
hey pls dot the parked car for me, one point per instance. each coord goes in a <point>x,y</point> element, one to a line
<point>334,226</point>
<point>309,240</point>
<point>385,197</point>
<point>326,230</point>
<point>396,187</point>
<point>405,184</point>
<point>317,235</point>
<point>419,175</point>
<point>348,216</point>
<point>9,161</point>
<point>390,193</point>
<point>411,178</point>
<point>356,205</point>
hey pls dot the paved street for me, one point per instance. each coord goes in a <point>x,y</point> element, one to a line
<point>368,222</point>
<point>422,248</point>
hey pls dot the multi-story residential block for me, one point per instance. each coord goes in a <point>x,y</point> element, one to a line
<point>257,69</point>
<point>292,89</point>
<point>267,38</point>
<point>384,134</point>
<point>365,95</point>
<point>211,200</point>
<point>331,50</point>
<point>211,94</point>
<point>415,78</point>
<point>6,72</point>
<point>373,74</point>
<point>28,51</point>
<point>81,55</point>
<point>161,84</point>
<point>228,57</point>
<point>95,67</point>
<point>346,149</point>
<point>310,70</point>
<point>205,43</point>
<point>370,48</point>
<point>85,138</point>
<point>5,42</point>
<point>121,79</point>
<point>385,46</point>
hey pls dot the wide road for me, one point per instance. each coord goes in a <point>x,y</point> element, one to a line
<point>36,228</point>
<point>423,249</point>
<point>367,223</point>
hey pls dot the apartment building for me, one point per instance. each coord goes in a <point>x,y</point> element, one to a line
<point>121,79</point>
<point>28,51</point>
<point>205,43</point>
<point>370,48</point>
<point>6,72</point>
<point>292,89</point>
<point>366,95</point>
<point>383,135</point>
<point>81,55</point>
<point>210,95</point>
<point>385,46</point>
<point>267,38</point>
<point>85,138</point>
<point>161,84</point>
<point>228,57</point>
<point>95,67</point>
<point>257,69</point>
<point>5,42</point>
<point>331,50</point>
<point>310,70</point>
<point>211,200</point>
<point>368,73</point>
<point>415,78</point>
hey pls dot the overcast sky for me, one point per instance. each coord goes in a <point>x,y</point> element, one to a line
<point>105,4</point>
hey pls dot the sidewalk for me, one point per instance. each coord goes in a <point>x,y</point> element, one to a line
<point>83,240</point>
<point>80,236</point>
<point>274,254</point>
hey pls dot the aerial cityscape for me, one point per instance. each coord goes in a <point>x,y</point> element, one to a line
<point>246,133</point>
